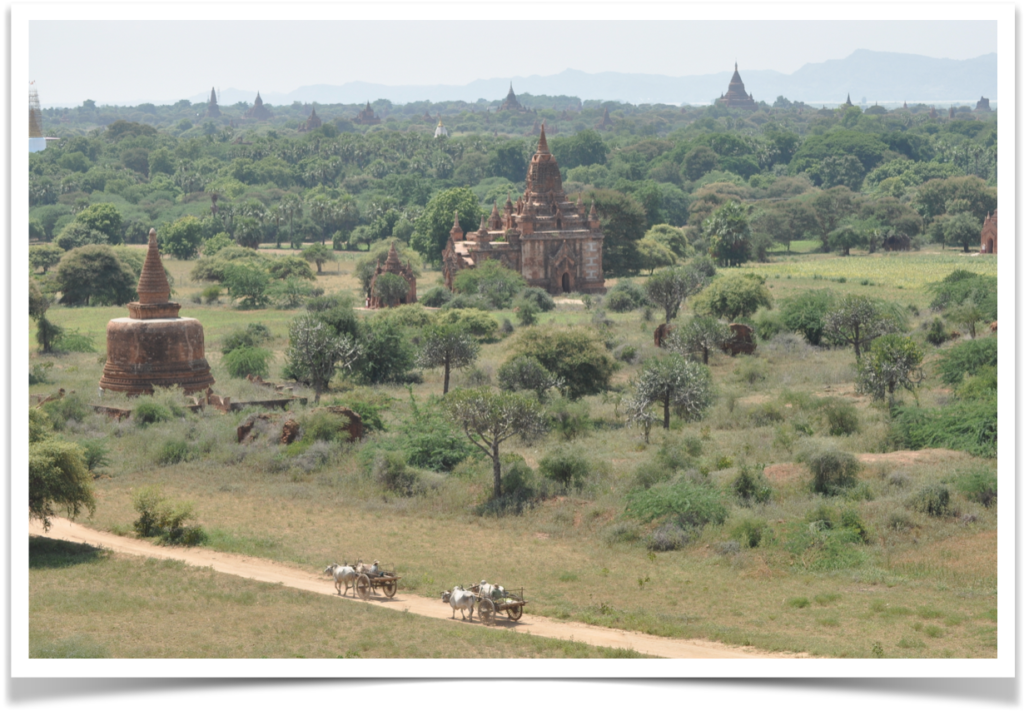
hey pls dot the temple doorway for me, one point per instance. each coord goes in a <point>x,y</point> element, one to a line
<point>566,287</point>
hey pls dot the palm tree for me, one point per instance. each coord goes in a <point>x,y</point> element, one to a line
<point>291,206</point>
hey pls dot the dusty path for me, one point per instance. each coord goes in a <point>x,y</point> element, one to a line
<point>269,571</point>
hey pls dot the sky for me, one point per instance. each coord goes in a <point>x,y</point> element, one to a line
<point>128,62</point>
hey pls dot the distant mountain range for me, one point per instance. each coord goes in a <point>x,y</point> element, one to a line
<point>882,77</point>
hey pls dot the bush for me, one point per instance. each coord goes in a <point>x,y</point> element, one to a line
<point>436,297</point>
<point>392,473</point>
<point>967,358</point>
<point>677,453</point>
<point>429,440</point>
<point>387,356</point>
<point>148,413</point>
<point>626,353</point>
<point>840,417</point>
<point>979,485</point>
<point>242,362</point>
<point>687,504</point>
<point>570,420</point>
<point>480,324</point>
<point>751,486</point>
<point>175,451</point>
<point>752,532</point>
<point>932,499</point>
<point>832,471</point>
<point>211,294</point>
<point>805,313</point>
<point>74,341</point>
<point>767,325</point>
<point>669,537</point>
<point>251,336</point>
<point>965,425</point>
<point>518,489</point>
<point>323,426</point>
<point>538,297</point>
<point>566,466</point>
<point>168,521</point>
<point>625,296</point>
<point>937,334</point>
<point>69,407</point>
<point>96,452</point>
<point>526,311</point>
<point>526,373</point>
<point>648,474</point>
<point>576,356</point>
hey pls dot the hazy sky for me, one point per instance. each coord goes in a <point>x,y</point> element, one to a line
<point>129,62</point>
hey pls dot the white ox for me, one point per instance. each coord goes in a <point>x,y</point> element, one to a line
<point>487,590</point>
<point>460,600</point>
<point>343,575</point>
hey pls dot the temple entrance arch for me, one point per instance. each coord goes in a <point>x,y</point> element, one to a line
<point>566,286</point>
<point>991,246</point>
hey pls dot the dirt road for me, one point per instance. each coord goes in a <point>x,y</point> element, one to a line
<point>268,571</point>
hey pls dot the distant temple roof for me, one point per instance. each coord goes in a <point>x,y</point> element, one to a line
<point>737,97</point>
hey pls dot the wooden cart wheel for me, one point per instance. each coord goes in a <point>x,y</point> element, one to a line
<point>515,612</point>
<point>363,586</point>
<point>486,611</point>
<point>390,587</point>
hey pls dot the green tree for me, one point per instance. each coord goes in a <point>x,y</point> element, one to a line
<point>390,288</point>
<point>830,208</point>
<point>247,283</point>
<point>845,238</point>
<point>966,316</point>
<point>447,346</point>
<point>893,364</point>
<point>857,320</point>
<point>318,254</point>
<point>387,355</point>
<point>962,229</point>
<point>698,162</point>
<point>366,266</point>
<point>507,160</point>
<point>674,382</point>
<point>94,275</point>
<point>182,238</point>
<point>670,288</point>
<point>969,193</point>
<point>623,222</point>
<point>699,336</point>
<point>58,480</point>
<point>75,235</point>
<point>805,313</point>
<point>316,351</point>
<point>577,357</point>
<point>44,256</point>
<point>526,373</point>
<point>46,332</point>
<point>728,233</point>
<point>490,418</point>
<point>105,218</point>
<point>734,296</point>
<point>291,207</point>
<point>672,237</point>
<point>654,254</point>
<point>583,148</point>
<point>496,283</point>
<point>435,223</point>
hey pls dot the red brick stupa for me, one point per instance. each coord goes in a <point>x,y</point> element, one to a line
<point>154,346</point>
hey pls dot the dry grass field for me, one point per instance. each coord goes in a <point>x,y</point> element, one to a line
<point>919,586</point>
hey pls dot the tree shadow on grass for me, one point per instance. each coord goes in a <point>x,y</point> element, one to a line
<point>50,553</point>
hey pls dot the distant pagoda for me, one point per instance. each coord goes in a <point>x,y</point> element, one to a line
<point>258,111</point>
<point>606,121</point>
<point>312,122</point>
<point>511,103</point>
<point>36,140</point>
<point>366,117</point>
<point>737,97</point>
<point>212,109</point>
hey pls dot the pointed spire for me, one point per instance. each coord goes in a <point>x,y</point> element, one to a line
<point>542,146</point>
<point>593,212</point>
<point>456,231</point>
<point>153,286</point>
<point>483,224</point>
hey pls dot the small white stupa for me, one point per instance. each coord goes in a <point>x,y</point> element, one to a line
<point>440,130</point>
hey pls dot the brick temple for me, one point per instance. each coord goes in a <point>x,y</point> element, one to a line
<point>258,110</point>
<point>393,265</point>
<point>737,97</point>
<point>544,236</point>
<point>154,346</point>
<point>990,234</point>
<point>212,109</point>
<point>366,117</point>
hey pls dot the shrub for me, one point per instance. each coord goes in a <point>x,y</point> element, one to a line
<point>840,417</point>
<point>251,336</point>
<point>526,311</point>
<point>932,499</point>
<point>69,407</point>
<point>242,362</point>
<point>480,324</point>
<point>677,453</point>
<point>621,532</point>
<point>687,504</point>
<point>576,356</point>
<point>175,451</point>
<point>650,473</point>
<point>96,452</point>
<point>74,341</point>
<point>248,284</point>
<point>967,358</point>
<point>751,486</point>
<point>566,466</point>
<point>625,296</point>
<point>292,293</point>
<point>526,373</point>
<point>387,356</point>
<point>805,313</point>
<point>436,297</point>
<point>323,426</point>
<point>979,485</point>
<point>626,353</point>
<point>538,297</point>
<point>752,532</point>
<point>832,471</point>
<point>965,425</point>
<point>570,420</point>
<point>211,294</point>
<point>429,440</point>
<point>937,334</point>
<point>518,489</point>
<point>148,413</point>
<point>168,521</point>
<point>669,537</point>
<point>40,373</point>
<point>767,325</point>
<point>392,473</point>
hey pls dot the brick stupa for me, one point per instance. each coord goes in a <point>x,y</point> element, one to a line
<point>154,346</point>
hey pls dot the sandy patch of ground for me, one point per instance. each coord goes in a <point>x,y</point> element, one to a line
<point>786,472</point>
<point>313,581</point>
<point>906,457</point>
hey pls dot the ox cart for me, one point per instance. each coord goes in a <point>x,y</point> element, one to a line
<point>368,583</point>
<point>510,602</point>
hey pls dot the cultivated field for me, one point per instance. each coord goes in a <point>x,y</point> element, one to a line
<point>918,585</point>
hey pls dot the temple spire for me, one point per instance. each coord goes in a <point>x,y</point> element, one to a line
<point>153,286</point>
<point>542,146</point>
